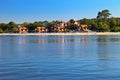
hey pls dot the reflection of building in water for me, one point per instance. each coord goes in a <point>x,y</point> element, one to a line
<point>62,45</point>
<point>61,40</point>
<point>22,40</point>
<point>84,39</point>
<point>21,45</point>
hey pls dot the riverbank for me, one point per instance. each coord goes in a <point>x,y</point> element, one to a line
<point>60,34</point>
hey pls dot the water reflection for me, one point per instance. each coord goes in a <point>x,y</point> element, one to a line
<point>108,39</point>
<point>21,40</point>
<point>103,47</point>
<point>22,46</point>
<point>108,47</point>
<point>64,44</point>
<point>0,46</point>
<point>60,39</point>
<point>59,57</point>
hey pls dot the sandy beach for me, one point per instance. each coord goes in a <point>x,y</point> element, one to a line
<point>60,34</point>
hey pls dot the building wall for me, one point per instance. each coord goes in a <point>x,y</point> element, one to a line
<point>84,27</point>
<point>41,29</point>
<point>22,29</point>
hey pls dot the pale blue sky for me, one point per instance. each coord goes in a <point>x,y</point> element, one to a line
<point>21,11</point>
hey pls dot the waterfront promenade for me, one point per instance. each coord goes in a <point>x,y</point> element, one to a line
<point>60,34</point>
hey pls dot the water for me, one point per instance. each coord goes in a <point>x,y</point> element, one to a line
<point>59,57</point>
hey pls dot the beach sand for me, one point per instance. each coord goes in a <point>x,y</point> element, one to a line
<point>60,34</point>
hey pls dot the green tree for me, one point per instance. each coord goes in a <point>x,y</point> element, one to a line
<point>25,24</point>
<point>85,21</point>
<point>3,27</point>
<point>1,31</point>
<point>103,14</point>
<point>93,26</point>
<point>115,29</point>
<point>30,27</point>
<point>11,27</point>
<point>38,24</point>
<point>45,23</point>
<point>72,26</point>
<point>103,27</point>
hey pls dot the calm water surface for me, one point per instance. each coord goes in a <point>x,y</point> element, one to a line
<point>59,57</point>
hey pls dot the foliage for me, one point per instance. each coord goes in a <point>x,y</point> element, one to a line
<point>72,26</point>
<point>1,31</point>
<point>103,14</point>
<point>102,26</point>
<point>12,26</point>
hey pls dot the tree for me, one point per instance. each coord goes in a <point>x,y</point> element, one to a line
<point>3,26</point>
<point>25,24</point>
<point>103,14</point>
<point>30,27</point>
<point>93,26</point>
<point>45,23</point>
<point>1,31</point>
<point>99,15</point>
<point>71,25</point>
<point>115,29</point>
<point>11,27</point>
<point>103,27</point>
<point>38,24</point>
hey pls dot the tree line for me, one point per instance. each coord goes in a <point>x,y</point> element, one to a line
<point>102,23</point>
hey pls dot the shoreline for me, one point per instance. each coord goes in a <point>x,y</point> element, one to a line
<point>60,34</point>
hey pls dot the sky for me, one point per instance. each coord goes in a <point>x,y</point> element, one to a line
<point>21,11</point>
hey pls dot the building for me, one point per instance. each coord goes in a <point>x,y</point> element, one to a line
<point>22,29</point>
<point>41,29</point>
<point>60,27</point>
<point>74,22</point>
<point>77,23</point>
<point>84,28</point>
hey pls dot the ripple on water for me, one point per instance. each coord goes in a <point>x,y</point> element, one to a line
<point>60,58</point>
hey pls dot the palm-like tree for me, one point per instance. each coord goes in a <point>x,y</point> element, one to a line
<point>103,14</point>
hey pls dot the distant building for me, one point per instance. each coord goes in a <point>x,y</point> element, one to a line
<point>22,29</point>
<point>63,24</point>
<point>74,22</point>
<point>77,23</point>
<point>60,27</point>
<point>84,28</point>
<point>41,29</point>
